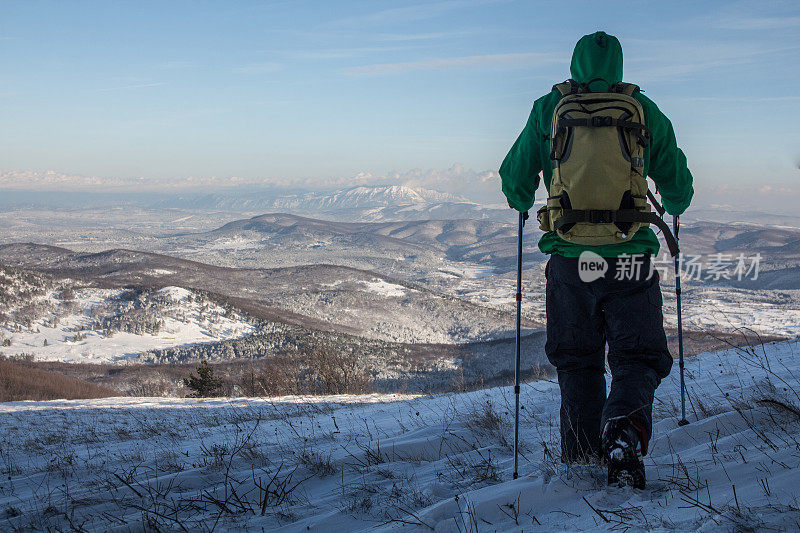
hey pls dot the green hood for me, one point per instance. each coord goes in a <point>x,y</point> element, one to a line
<point>597,56</point>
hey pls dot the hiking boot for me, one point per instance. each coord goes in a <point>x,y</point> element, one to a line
<point>622,450</point>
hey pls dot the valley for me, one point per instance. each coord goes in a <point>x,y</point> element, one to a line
<point>418,304</point>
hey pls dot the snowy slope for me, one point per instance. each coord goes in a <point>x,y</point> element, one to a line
<point>66,330</point>
<point>406,463</point>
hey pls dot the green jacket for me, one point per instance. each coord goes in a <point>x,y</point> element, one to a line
<point>597,60</point>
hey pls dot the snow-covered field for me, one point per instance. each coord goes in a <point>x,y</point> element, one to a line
<point>385,288</point>
<point>765,312</point>
<point>705,307</point>
<point>64,332</point>
<point>440,463</point>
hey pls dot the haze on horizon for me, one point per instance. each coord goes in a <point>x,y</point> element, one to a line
<point>308,95</point>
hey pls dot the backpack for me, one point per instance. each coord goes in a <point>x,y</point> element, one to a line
<point>598,194</point>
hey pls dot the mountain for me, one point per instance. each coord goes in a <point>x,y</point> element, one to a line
<point>368,197</point>
<point>413,249</point>
<point>362,203</point>
<point>319,296</point>
<point>65,320</point>
<point>388,203</point>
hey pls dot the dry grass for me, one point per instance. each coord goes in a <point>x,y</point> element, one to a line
<point>19,381</point>
<point>317,371</point>
<point>321,371</point>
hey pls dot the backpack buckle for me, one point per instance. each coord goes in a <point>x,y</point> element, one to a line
<point>599,216</point>
<point>599,122</point>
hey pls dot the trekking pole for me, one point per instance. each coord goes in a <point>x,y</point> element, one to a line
<point>676,226</point>
<point>522,217</point>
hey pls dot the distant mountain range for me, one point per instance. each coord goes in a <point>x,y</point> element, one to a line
<point>363,204</point>
<point>369,197</point>
<point>317,296</point>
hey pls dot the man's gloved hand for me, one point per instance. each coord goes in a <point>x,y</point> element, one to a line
<point>524,215</point>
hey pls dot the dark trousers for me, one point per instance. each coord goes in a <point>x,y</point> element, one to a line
<point>581,319</point>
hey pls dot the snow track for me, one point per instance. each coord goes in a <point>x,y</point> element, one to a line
<point>387,462</point>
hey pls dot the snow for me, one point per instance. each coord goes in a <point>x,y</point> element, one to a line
<point>397,462</point>
<point>384,288</point>
<point>468,270</point>
<point>231,244</point>
<point>159,272</point>
<point>176,294</point>
<point>185,322</point>
<point>366,197</point>
<point>159,402</point>
<point>728,312</point>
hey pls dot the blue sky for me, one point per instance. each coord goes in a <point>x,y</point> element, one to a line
<point>307,91</point>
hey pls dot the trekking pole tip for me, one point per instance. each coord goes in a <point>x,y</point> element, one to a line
<point>683,422</point>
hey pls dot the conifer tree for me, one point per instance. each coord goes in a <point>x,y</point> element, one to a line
<point>204,384</point>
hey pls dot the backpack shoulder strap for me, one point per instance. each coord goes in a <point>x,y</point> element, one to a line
<point>573,87</point>
<point>567,87</point>
<point>625,88</point>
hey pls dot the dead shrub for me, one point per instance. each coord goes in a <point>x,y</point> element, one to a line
<point>337,372</point>
<point>18,381</point>
<point>319,371</point>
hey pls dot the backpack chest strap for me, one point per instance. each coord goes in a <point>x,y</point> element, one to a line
<point>641,131</point>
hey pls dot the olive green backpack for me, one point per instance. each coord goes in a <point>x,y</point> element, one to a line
<point>598,194</point>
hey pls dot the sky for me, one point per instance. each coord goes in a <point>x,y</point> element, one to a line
<point>321,93</point>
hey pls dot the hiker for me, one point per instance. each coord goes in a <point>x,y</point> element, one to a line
<point>595,160</point>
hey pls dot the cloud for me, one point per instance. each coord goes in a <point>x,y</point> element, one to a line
<point>134,86</point>
<point>758,23</point>
<point>431,36</point>
<point>752,16</point>
<point>259,68</point>
<point>744,99</point>
<point>174,65</point>
<point>513,60</point>
<point>381,43</point>
<point>479,186</point>
<point>51,180</point>
<point>745,191</point>
<point>412,13</point>
<point>370,42</point>
<point>342,53</point>
<point>671,60</point>
<point>771,190</point>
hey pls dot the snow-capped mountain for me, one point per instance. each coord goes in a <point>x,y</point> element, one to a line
<point>362,203</point>
<point>369,197</point>
<point>387,203</point>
